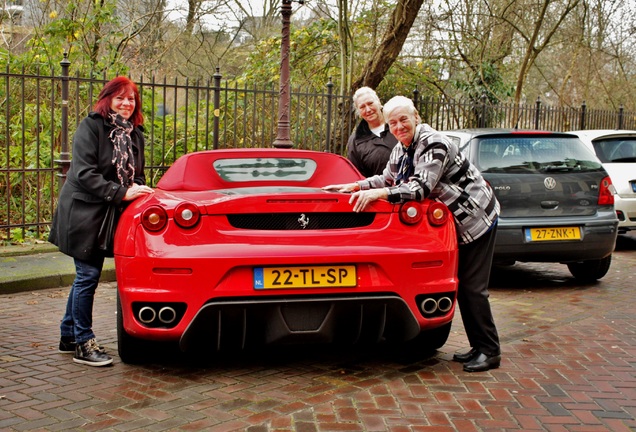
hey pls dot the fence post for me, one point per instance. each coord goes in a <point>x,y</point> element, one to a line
<point>329,106</point>
<point>537,112</point>
<point>482,118</point>
<point>217,108</point>
<point>64,162</point>
<point>582,120</point>
<point>620,116</point>
<point>416,98</point>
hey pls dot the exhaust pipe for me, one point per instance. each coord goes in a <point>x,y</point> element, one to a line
<point>167,315</point>
<point>147,315</point>
<point>429,305</point>
<point>444,304</point>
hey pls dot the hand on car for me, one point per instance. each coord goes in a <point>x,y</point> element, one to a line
<point>346,187</point>
<point>363,198</point>
<point>136,191</point>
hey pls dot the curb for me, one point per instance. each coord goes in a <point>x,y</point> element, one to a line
<point>27,249</point>
<point>36,267</point>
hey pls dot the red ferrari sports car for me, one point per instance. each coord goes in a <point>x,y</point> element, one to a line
<point>242,248</point>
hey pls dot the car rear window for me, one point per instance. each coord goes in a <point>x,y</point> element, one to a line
<point>616,150</point>
<point>265,169</point>
<point>534,154</point>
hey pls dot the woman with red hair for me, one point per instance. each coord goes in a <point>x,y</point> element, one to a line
<point>107,169</point>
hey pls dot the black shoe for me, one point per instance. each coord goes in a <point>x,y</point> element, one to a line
<point>91,354</point>
<point>466,357</point>
<point>482,363</point>
<point>67,345</point>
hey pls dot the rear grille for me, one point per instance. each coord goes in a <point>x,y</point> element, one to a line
<point>230,324</point>
<point>300,221</point>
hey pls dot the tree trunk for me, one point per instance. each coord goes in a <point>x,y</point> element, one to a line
<point>346,46</point>
<point>384,56</point>
<point>193,12</point>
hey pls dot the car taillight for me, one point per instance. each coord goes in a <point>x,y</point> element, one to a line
<point>437,214</point>
<point>186,215</point>
<point>411,213</point>
<point>606,192</point>
<point>154,218</point>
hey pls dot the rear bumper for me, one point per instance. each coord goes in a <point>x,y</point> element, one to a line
<point>240,324</point>
<point>626,213</point>
<point>217,306</point>
<point>598,239</point>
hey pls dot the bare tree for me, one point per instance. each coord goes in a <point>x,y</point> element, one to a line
<point>540,33</point>
<point>345,40</point>
<point>385,54</point>
<point>606,65</point>
<point>259,19</point>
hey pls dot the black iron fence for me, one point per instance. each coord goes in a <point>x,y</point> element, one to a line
<point>451,114</point>
<point>39,112</point>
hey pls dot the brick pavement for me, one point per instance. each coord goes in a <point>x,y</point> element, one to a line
<point>569,364</point>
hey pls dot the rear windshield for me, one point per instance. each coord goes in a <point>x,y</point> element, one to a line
<point>264,169</point>
<point>616,150</point>
<point>534,154</point>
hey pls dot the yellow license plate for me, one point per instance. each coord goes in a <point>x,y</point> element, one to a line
<point>305,277</point>
<point>553,234</point>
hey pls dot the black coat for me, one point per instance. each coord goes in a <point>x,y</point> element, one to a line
<point>369,152</point>
<point>91,185</point>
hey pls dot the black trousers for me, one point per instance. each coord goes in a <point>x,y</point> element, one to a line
<point>475,260</point>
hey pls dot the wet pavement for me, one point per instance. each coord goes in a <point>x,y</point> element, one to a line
<point>569,364</point>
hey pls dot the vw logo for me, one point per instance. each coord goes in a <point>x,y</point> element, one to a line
<point>303,220</point>
<point>549,183</point>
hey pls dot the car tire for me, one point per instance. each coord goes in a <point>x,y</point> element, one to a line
<point>435,339</point>
<point>130,348</point>
<point>592,270</point>
<point>426,343</point>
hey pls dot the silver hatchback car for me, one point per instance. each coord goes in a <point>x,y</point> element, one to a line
<point>616,149</point>
<point>557,200</point>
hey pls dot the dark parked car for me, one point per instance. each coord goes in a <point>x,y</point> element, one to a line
<point>557,200</point>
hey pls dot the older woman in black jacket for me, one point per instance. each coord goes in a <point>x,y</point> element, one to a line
<point>371,143</point>
<point>107,169</point>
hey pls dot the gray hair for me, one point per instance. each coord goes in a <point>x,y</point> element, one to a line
<point>363,91</point>
<point>399,102</point>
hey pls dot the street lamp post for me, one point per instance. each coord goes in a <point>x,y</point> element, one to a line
<point>64,162</point>
<point>283,139</point>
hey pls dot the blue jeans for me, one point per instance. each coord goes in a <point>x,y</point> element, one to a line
<point>78,318</point>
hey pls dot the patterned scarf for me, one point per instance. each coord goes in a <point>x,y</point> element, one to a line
<point>406,168</point>
<point>123,157</point>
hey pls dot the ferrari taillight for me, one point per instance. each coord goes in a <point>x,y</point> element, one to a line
<point>411,213</point>
<point>437,214</point>
<point>606,192</point>
<point>154,218</point>
<point>186,215</point>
